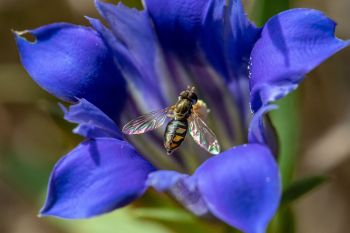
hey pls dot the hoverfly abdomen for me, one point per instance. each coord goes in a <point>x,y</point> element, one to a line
<point>175,134</point>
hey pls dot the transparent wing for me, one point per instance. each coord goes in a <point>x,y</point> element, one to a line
<point>147,122</point>
<point>202,135</point>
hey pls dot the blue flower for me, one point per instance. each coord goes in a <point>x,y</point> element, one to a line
<point>139,64</point>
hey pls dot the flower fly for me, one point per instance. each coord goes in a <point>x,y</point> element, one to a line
<point>185,116</point>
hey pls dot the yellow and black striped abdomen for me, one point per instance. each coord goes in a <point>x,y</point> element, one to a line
<point>175,133</point>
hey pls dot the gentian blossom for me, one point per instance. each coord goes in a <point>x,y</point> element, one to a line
<point>139,63</point>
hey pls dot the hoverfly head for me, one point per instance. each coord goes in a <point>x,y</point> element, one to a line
<point>189,94</point>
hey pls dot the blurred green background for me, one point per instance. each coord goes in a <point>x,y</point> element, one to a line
<point>33,136</point>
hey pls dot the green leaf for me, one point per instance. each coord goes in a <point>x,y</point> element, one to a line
<point>180,220</point>
<point>165,214</point>
<point>118,221</point>
<point>300,188</point>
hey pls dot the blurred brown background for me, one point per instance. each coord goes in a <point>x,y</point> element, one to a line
<point>32,136</point>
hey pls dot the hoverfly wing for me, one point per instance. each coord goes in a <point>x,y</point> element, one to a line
<point>147,122</point>
<point>203,135</point>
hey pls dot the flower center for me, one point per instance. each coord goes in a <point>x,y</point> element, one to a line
<point>216,106</point>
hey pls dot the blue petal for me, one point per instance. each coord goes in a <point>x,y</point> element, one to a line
<point>164,180</point>
<point>72,62</point>
<point>241,38</point>
<point>178,22</point>
<point>134,43</point>
<point>181,186</point>
<point>213,36</point>
<point>227,39</point>
<point>93,123</point>
<point>132,28</point>
<point>257,131</point>
<point>241,186</point>
<point>96,177</point>
<point>292,44</point>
